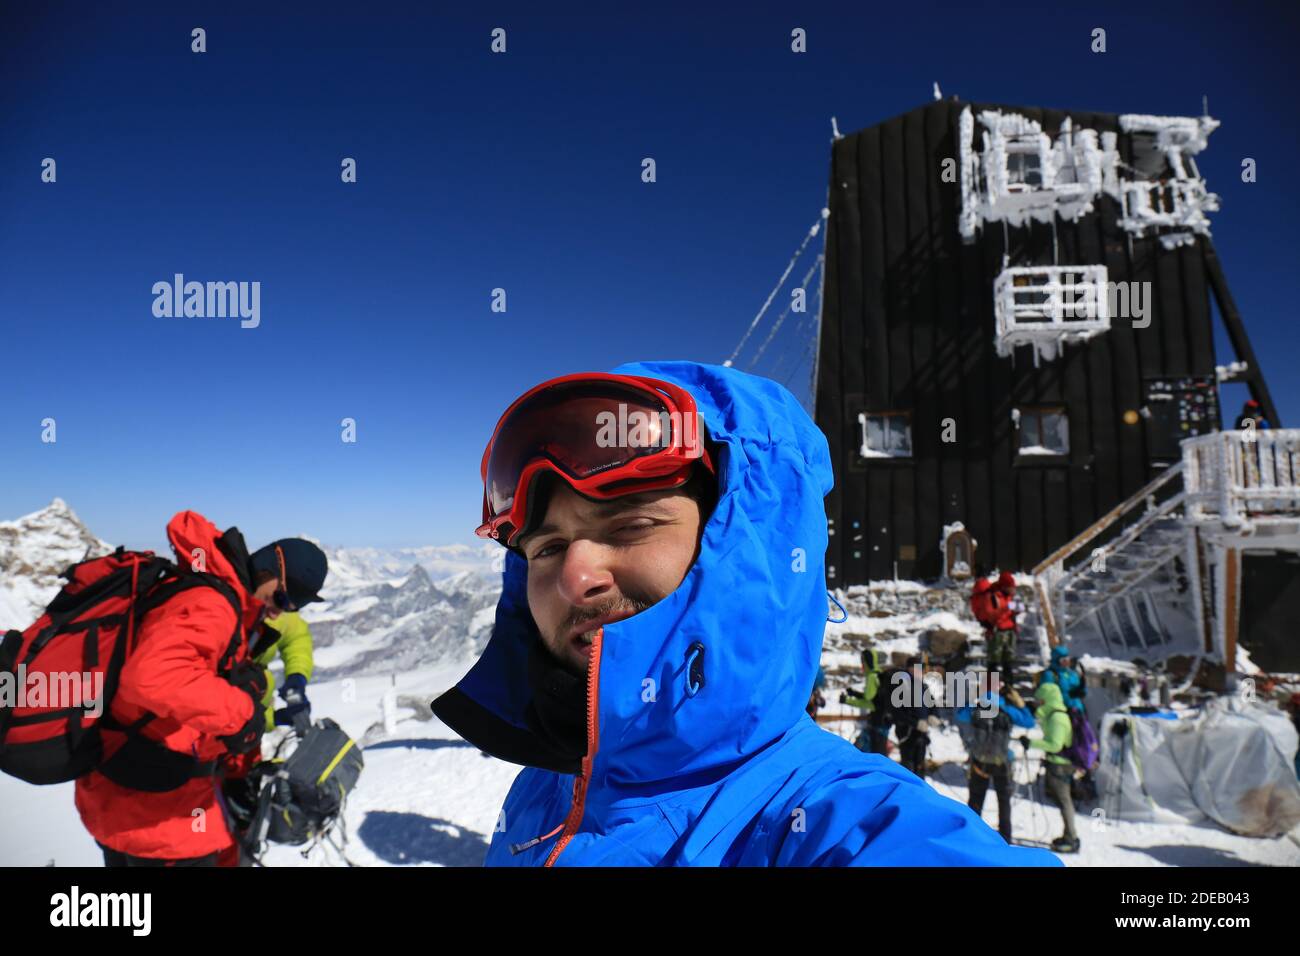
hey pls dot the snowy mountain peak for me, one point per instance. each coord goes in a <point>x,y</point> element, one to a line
<point>353,569</point>
<point>417,580</point>
<point>382,608</point>
<point>34,550</point>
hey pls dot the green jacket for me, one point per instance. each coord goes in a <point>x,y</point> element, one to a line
<point>1054,719</point>
<point>871,665</point>
<point>294,648</point>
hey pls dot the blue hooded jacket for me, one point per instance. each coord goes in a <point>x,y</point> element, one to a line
<point>735,773</point>
<point>1066,678</point>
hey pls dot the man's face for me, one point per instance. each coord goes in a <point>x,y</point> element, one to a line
<point>591,563</point>
<point>266,594</point>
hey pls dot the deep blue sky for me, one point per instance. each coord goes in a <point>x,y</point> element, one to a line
<point>477,171</point>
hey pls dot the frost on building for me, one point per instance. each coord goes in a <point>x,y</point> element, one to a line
<point>1017,339</point>
<point>1048,307</point>
<point>1012,171</point>
<point>1160,190</point>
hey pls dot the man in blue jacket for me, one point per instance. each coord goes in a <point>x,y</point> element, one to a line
<point>659,632</point>
<point>1064,674</point>
<point>986,732</point>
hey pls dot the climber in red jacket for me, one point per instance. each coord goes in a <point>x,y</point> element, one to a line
<point>1005,629</point>
<point>994,605</point>
<point>189,698</point>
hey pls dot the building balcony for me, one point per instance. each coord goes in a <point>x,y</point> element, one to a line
<point>1176,204</point>
<point>1048,307</point>
<point>1244,479</point>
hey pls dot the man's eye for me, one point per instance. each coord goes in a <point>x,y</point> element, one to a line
<point>544,552</point>
<point>640,526</point>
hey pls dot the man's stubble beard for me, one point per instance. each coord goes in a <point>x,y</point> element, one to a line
<point>576,618</point>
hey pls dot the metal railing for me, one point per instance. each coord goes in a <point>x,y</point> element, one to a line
<point>1173,202</point>
<point>1048,305</point>
<point>1240,477</point>
<point>1233,479</point>
<point>1074,559</point>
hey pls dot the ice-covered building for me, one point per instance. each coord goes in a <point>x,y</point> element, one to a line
<point>1018,337</point>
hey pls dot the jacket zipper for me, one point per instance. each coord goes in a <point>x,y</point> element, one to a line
<point>572,821</point>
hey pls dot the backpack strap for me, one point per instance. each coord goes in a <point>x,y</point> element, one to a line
<point>184,581</point>
<point>9,650</point>
<point>67,605</point>
<point>145,764</point>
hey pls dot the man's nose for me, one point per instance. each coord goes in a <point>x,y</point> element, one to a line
<point>586,575</point>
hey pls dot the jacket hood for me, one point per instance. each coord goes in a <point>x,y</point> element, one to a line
<point>754,601</point>
<point>191,535</point>
<point>1050,696</point>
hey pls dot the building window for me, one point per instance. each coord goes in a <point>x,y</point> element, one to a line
<point>885,434</point>
<point>1043,431</point>
<point>1024,164</point>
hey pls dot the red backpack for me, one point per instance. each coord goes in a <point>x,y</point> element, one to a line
<point>986,606</point>
<point>69,662</point>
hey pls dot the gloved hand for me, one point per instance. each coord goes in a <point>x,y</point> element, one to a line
<point>251,679</point>
<point>298,707</point>
<point>293,683</point>
<point>1024,742</point>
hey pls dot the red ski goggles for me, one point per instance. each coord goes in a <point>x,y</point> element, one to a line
<point>606,435</point>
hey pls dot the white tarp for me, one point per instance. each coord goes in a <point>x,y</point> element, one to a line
<point>1230,762</point>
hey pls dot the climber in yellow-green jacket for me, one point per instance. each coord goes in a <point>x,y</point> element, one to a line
<point>288,636</point>
<point>873,701</point>
<point>1058,735</point>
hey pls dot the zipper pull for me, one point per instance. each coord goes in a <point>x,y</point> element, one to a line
<point>517,848</point>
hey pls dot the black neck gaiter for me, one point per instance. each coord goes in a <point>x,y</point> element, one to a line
<point>558,710</point>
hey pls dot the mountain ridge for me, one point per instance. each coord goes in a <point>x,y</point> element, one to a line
<point>383,610</point>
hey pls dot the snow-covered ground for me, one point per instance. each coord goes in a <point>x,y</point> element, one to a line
<point>1037,821</point>
<point>428,798</point>
<point>425,798</point>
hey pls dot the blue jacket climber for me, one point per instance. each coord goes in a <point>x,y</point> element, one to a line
<point>700,750</point>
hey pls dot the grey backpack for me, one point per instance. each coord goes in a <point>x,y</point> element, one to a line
<point>303,794</point>
<point>987,738</point>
